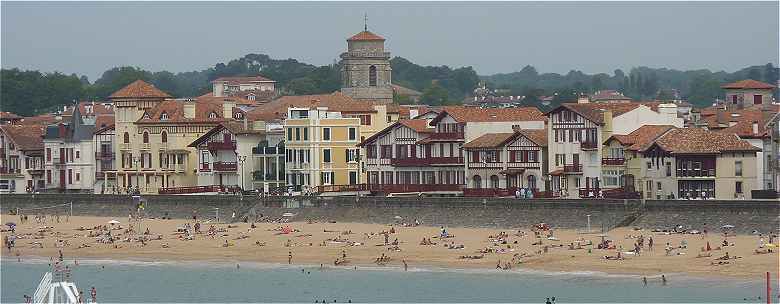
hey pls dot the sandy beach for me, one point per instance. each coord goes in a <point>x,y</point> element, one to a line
<point>314,243</point>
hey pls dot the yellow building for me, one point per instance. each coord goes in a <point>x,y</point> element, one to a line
<point>153,133</point>
<point>321,148</point>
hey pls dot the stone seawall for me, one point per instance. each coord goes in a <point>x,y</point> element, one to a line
<point>462,212</point>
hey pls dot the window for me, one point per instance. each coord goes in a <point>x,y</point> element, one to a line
<point>289,134</point>
<point>372,76</point>
<point>352,134</point>
<point>738,186</point>
<point>533,156</point>
<point>577,182</point>
<point>649,165</point>
<point>668,169</point>
<point>326,155</point>
<point>48,154</point>
<point>213,115</point>
<point>371,151</point>
<point>387,151</point>
<point>757,99</point>
<point>611,177</point>
<point>738,168</point>
<point>389,118</point>
<point>48,176</point>
<point>305,133</point>
<point>327,178</point>
<point>78,176</point>
<point>325,133</point>
<point>297,133</point>
<point>163,116</point>
<point>70,176</point>
<point>127,138</point>
<point>146,137</point>
<point>353,177</point>
<point>164,136</point>
<point>352,155</point>
<point>658,186</point>
<point>475,157</point>
<point>532,181</point>
<point>476,182</point>
<point>734,99</point>
<point>494,181</point>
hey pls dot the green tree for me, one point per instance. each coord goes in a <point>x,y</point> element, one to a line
<point>704,90</point>
<point>434,95</point>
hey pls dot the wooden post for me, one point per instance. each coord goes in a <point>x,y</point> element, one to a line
<point>768,289</point>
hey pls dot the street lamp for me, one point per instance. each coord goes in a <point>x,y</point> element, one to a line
<point>242,160</point>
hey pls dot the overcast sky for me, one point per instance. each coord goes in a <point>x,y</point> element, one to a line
<point>89,38</point>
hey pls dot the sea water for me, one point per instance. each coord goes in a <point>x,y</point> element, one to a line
<point>222,282</point>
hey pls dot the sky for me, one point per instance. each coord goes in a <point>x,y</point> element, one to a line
<point>88,38</point>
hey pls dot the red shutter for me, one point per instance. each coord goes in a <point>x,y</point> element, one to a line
<point>475,156</point>
<point>512,156</point>
<point>498,156</point>
<point>758,99</point>
<point>413,148</point>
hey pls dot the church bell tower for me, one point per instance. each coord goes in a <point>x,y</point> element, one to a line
<point>365,73</point>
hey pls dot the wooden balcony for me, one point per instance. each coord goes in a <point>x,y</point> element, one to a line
<point>104,155</point>
<point>575,168</point>
<point>607,161</point>
<point>198,189</point>
<point>497,192</point>
<point>225,166</point>
<point>378,188</point>
<point>588,145</point>
<point>428,161</point>
<point>218,145</point>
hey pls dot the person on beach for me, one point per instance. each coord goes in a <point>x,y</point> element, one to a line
<point>406,267</point>
<point>289,258</point>
<point>663,280</point>
<point>93,293</point>
<point>650,244</point>
<point>548,301</point>
<point>644,281</point>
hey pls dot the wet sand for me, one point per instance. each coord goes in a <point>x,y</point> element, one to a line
<point>365,244</point>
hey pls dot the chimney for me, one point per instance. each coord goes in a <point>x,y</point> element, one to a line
<point>583,99</point>
<point>606,131</point>
<point>189,109</point>
<point>755,127</point>
<point>227,109</point>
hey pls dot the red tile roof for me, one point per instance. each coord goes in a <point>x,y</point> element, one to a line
<point>43,119</point>
<point>594,111</point>
<point>496,140</point>
<point>102,121</point>
<point>640,138</point>
<point>97,108</point>
<point>236,80</point>
<point>418,125</point>
<point>139,89</point>
<point>9,116</point>
<point>744,124</point>
<point>472,114</point>
<point>175,111</point>
<point>366,35</point>
<point>748,84</point>
<point>700,141</point>
<point>25,137</point>
<point>337,102</point>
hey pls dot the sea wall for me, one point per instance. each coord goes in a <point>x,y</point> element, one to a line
<point>462,212</point>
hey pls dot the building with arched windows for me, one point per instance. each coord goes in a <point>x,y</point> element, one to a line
<point>366,72</point>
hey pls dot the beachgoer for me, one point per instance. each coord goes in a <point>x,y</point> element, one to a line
<point>663,280</point>
<point>548,301</point>
<point>644,281</point>
<point>289,258</point>
<point>406,267</point>
<point>93,293</point>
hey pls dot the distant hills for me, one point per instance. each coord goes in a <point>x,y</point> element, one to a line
<point>33,92</point>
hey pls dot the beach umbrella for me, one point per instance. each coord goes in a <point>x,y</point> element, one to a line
<point>288,214</point>
<point>727,226</point>
<point>112,222</point>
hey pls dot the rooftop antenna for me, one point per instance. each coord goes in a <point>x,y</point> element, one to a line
<point>365,22</point>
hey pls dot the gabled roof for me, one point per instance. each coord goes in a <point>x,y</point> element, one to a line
<point>700,141</point>
<point>745,121</point>
<point>236,80</point>
<point>472,114</point>
<point>235,128</point>
<point>748,84</point>
<point>43,119</point>
<point>609,95</point>
<point>366,36</point>
<point>25,137</point>
<point>496,140</point>
<point>139,89</point>
<point>594,111</point>
<point>418,125</point>
<point>404,91</point>
<point>98,108</point>
<point>642,137</point>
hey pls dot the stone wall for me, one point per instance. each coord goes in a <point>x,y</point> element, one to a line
<point>462,212</point>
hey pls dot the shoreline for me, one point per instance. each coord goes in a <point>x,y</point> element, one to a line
<point>306,244</point>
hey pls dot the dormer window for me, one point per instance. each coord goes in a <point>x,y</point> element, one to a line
<point>238,115</point>
<point>251,97</point>
<point>146,116</point>
<point>164,116</point>
<point>213,115</point>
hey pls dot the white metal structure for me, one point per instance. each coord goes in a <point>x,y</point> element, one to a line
<point>58,291</point>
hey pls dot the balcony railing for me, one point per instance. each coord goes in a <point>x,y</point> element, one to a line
<point>225,166</point>
<point>588,145</point>
<point>609,161</point>
<point>403,188</point>
<point>575,168</point>
<point>218,145</point>
<point>6,170</point>
<point>696,173</point>
<point>204,167</point>
<point>104,155</point>
<point>267,150</point>
<point>198,189</point>
<point>146,146</point>
<point>100,175</point>
<point>35,171</point>
<point>414,162</point>
<point>589,192</point>
<point>124,146</point>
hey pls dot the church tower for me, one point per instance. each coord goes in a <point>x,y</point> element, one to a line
<point>365,72</point>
